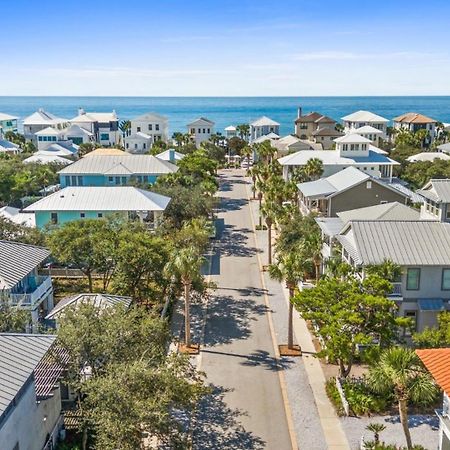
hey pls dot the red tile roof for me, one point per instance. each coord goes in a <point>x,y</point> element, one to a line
<point>413,118</point>
<point>437,361</point>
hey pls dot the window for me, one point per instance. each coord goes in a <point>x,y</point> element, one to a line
<point>135,146</point>
<point>82,215</point>
<point>54,218</point>
<point>157,127</point>
<point>138,129</point>
<point>199,130</point>
<point>104,137</point>
<point>67,180</point>
<point>124,180</point>
<point>128,145</point>
<point>192,130</point>
<point>80,180</point>
<point>150,127</point>
<point>99,215</point>
<point>144,146</point>
<point>413,279</point>
<point>39,138</point>
<point>74,180</point>
<point>447,214</point>
<point>369,183</point>
<point>445,280</point>
<point>117,180</point>
<point>111,179</point>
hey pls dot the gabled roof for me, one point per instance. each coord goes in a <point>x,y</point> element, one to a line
<point>150,117</point>
<point>352,138</point>
<point>135,164</point>
<point>437,190</point>
<point>20,355</point>
<point>407,243</point>
<point>17,260</point>
<point>364,116</point>
<point>333,157</point>
<point>265,137</point>
<point>230,128</point>
<point>89,117</point>
<point>49,131</point>
<point>437,362</point>
<point>138,135</point>
<point>201,121</point>
<point>327,131</point>
<point>98,300</point>
<point>314,117</point>
<point>42,117</point>
<point>413,117</point>
<point>385,211</point>
<point>334,184</point>
<point>264,121</point>
<point>428,156</point>
<point>106,152</point>
<point>366,129</point>
<point>60,149</point>
<point>41,157</point>
<point>76,130</point>
<point>101,198</point>
<point>170,155</point>
<point>4,116</point>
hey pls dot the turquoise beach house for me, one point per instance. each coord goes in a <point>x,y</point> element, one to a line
<point>96,202</point>
<point>114,170</point>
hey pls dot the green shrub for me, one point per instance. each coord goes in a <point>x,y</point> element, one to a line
<point>333,395</point>
<point>362,400</point>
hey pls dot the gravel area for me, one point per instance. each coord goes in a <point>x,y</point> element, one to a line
<point>424,430</point>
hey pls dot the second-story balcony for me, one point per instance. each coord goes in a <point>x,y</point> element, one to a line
<point>396,290</point>
<point>31,298</point>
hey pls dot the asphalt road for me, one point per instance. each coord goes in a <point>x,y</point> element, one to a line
<point>246,409</point>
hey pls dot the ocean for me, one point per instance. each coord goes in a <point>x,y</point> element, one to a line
<point>226,111</point>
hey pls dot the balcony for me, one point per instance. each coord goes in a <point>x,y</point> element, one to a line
<point>396,290</point>
<point>29,300</point>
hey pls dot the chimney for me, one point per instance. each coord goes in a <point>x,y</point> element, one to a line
<point>81,111</point>
<point>299,112</point>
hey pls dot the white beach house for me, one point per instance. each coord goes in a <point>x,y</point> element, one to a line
<point>144,131</point>
<point>200,130</point>
<point>103,125</point>
<point>39,121</point>
<point>263,126</point>
<point>361,119</point>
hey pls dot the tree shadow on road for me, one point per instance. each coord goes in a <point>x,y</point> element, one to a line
<point>264,359</point>
<point>229,319</point>
<point>216,425</point>
<point>231,204</point>
<point>234,242</point>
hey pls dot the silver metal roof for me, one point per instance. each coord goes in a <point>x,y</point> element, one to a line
<point>101,198</point>
<point>17,260</point>
<point>407,243</point>
<point>19,356</point>
<point>99,300</point>
<point>437,190</point>
<point>135,164</point>
<point>331,226</point>
<point>386,211</point>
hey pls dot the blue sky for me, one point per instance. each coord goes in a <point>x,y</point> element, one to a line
<point>228,47</point>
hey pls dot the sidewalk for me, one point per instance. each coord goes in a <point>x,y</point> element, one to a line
<point>316,423</point>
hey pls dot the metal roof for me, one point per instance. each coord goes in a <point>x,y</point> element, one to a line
<point>136,164</point>
<point>150,116</point>
<point>385,211</point>
<point>437,190</point>
<point>444,147</point>
<point>170,155</point>
<point>101,198</point>
<point>19,356</point>
<point>333,184</point>
<point>364,116</point>
<point>333,157</point>
<point>331,226</point>
<point>42,117</point>
<point>352,138</point>
<point>264,121</point>
<point>366,129</point>
<point>407,243</point>
<point>99,300</point>
<point>201,121</point>
<point>428,156</point>
<point>17,260</point>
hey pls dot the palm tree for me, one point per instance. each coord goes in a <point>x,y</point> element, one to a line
<point>269,211</point>
<point>387,270</point>
<point>376,429</point>
<point>314,168</point>
<point>399,371</point>
<point>124,126</point>
<point>243,130</point>
<point>178,138</point>
<point>312,249</point>
<point>185,265</point>
<point>290,268</point>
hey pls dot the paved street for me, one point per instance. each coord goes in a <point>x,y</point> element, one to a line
<point>246,409</point>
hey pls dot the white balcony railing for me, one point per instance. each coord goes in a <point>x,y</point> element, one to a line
<point>396,290</point>
<point>32,299</point>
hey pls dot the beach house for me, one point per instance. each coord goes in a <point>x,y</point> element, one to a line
<point>144,131</point>
<point>113,170</point>
<point>96,202</point>
<point>414,122</point>
<point>55,141</point>
<point>351,150</point>
<point>231,132</point>
<point>30,393</point>
<point>263,126</point>
<point>361,119</point>
<point>436,194</point>
<point>21,283</point>
<point>41,120</point>
<point>421,248</point>
<point>200,130</point>
<point>437,362</point>
<point>345,190</point>
<point>317,128</point>
<point>9,147</point>
<point>7,123</point>
<point>103,125</point>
